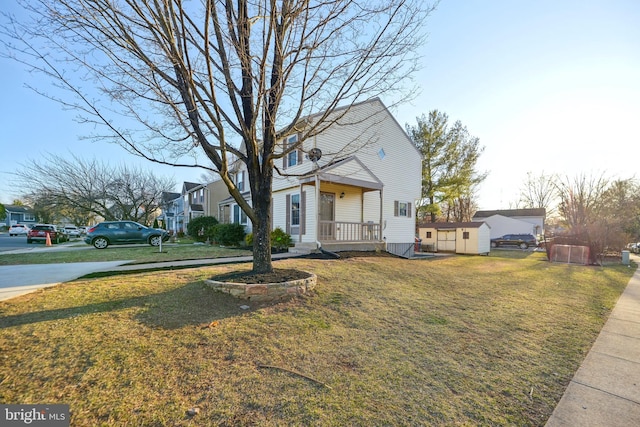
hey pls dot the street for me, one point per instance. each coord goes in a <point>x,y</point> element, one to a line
<point>12,243</point>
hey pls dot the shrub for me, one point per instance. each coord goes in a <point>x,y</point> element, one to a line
<point>279,239</point>
<point>197,227</point>
<point>227,234</point>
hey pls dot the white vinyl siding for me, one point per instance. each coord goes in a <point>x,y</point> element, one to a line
<point>368,130</point>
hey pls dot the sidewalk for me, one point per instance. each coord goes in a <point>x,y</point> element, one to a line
<point>605,390</point>
<point>16,280</point>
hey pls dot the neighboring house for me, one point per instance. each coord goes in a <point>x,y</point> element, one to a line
<point>458,237</point>
<point>172,212</point>
<point>513,221</point>
<point>194,201</point>
<point>19,215</point>
<point>359,195</point>
<point>215,193</point>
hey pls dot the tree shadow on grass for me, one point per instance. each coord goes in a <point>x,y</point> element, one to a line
<point>192,304</point>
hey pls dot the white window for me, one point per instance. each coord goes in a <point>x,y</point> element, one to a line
<point>381,154</point>
<point>239,217</point>
<point>402,209</point>
<point>295,209</point>
<point>292,157</point>
<point>240,181</point>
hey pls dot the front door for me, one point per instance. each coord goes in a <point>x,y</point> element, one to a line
<point>327,216</point>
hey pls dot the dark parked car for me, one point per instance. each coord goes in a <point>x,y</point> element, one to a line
<point>523,241</point>
<point>122,233</point>
<point>38,233</point>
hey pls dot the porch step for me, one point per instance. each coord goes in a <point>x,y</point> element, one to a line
<point>300,250</point>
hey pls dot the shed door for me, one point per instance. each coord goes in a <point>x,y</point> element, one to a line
<point>446,240</point>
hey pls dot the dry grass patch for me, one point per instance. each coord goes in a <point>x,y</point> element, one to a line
<point>138,254</point>
<point>452,341</point>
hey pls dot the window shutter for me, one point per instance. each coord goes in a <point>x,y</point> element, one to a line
<point>244,180</point>
<point>395,208</point>
<point>288,214</point>
<point>303,209</point>
<point>300,153</point>
<point>408,210</point>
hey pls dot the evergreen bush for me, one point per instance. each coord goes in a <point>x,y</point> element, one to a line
<point>197,227</point>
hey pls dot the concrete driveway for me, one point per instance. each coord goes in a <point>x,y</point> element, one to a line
<point>21,279</point>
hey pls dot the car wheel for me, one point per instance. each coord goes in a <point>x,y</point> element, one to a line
<point>29,241</point>
<point>493,244</point>
<point>154,240</point>
<point>100,243</point>
<point>523,245</point>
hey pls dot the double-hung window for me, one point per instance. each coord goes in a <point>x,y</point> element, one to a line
<point>295,210</point>
<point>402,209</point>
<point>240,180</point>
<point>239,217</point>
<point>294,157</point>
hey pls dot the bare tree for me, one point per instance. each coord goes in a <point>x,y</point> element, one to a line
<point>217,75</point>
<point>82,189</point>
<point>580,199</point>
<point>621,203</point>
<point>539,192</point>
<point>461,208</point>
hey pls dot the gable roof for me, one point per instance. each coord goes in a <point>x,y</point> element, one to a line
<point>355,105</point>
<point>512,212</point>
<point>18,209</point>
<point>168,196</point>
<point>188,186</point>
<point>356,173</point>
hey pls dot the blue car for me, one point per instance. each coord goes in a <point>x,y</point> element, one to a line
<point>123,233</point>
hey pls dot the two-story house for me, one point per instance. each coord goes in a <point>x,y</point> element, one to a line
<point>193,204</point>
<point>352,186</point>
<point>194,200</point>
<point>172,212</point>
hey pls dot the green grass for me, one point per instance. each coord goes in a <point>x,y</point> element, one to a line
<point>448,341</point>
<point>137,254</point>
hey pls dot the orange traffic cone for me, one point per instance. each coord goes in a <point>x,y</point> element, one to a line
<point>48,241</point>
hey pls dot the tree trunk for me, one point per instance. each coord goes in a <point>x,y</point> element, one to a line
<point>262,247</point>
<point>262,227</point>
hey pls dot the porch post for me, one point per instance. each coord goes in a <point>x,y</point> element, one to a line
<point>317,210</point>
<point>300,216</point>
<point>381,198</point>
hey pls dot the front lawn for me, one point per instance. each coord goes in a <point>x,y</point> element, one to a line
<point>381,341</point>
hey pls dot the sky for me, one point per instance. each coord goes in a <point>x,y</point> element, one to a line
<point>551,86</point>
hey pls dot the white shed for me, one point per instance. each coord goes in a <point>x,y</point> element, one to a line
<point>457,237</point>
<point>513,221</point>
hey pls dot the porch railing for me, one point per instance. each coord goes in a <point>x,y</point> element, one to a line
<point>342,231</point>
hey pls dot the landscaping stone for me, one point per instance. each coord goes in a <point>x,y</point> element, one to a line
<point>265,291</point>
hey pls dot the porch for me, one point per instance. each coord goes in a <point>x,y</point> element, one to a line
<point>350,236</point>
<point>342,209</point>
